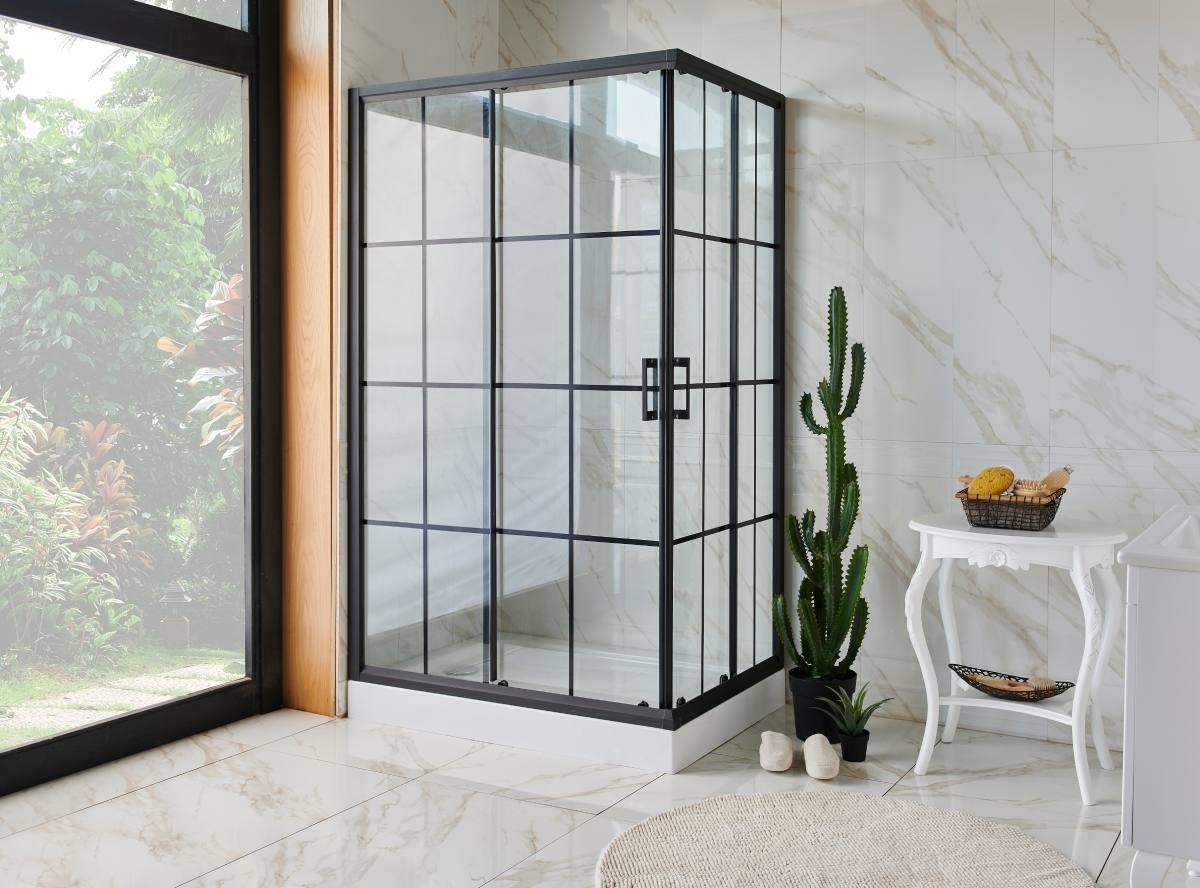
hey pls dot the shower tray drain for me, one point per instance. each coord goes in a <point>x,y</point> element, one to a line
<point>461,669</point>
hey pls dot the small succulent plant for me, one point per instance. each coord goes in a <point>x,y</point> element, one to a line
<point>849,713</point>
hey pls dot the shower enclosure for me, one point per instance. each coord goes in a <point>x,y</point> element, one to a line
<point>566,386</point>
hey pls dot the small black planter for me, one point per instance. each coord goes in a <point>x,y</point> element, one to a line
<point>811,717</point>
<point>854,746</point>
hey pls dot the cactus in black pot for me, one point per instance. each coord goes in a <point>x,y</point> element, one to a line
<point>831,613</point>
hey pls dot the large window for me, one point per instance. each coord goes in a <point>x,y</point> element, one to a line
<point>135,578</point>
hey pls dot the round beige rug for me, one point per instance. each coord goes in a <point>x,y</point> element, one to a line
<point>828,840</point>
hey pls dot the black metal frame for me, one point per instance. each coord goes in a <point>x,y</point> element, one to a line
<point>670,712</point>
<point>253,54</point>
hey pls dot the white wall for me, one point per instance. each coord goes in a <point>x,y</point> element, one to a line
<point>1009,191</point>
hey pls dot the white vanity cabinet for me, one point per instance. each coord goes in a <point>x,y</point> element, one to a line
<point>1160,815</point>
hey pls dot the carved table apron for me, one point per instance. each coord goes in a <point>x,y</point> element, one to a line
<point>1074,546</point>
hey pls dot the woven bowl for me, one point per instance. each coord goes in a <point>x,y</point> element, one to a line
<point>965,673</point>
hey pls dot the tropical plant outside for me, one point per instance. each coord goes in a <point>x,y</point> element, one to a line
<point>121,467</point>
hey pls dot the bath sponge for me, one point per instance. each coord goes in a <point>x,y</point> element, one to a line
<point>991,481</point>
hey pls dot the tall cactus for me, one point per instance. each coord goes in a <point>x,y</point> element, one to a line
<point>830,609</point>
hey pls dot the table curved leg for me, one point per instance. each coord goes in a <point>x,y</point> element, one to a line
<point>1082,580</point>
<point>950,625</point>
<point>913,600</point>
<point>1148,870</point>
<point>1113,611</point>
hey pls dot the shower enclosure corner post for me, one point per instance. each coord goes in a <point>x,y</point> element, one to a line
<point>666,412</point>
<point>779,187</point>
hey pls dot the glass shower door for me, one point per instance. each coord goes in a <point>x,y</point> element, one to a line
<point>578,291</point>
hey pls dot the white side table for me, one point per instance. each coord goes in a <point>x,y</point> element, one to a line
<point>1074,546</point>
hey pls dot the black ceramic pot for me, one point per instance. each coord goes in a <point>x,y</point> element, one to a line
<point>854,746</point>
<point>811,717</point>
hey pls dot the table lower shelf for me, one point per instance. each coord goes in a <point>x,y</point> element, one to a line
<point>1057,709</point>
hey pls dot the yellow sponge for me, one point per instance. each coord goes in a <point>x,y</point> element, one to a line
<point>991,481</point>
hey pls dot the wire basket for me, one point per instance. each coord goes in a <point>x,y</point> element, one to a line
<point>969,675</point>
<point>1010,512</point>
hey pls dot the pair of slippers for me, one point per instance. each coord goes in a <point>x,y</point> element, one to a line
<point>776,752</point>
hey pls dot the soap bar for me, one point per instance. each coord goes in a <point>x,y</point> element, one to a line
<point>775,751</point>
<point>820,759</point>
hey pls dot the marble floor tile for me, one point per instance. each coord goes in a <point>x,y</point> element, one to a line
<point>1028,783</point>
<point>183,827</point>
<point>1116,871</point>
<point>259,730</point>
<point>891,751</point>
<point>564,782</point>
<point>424,833</point>
<point>569,862</point>
<point>716,775</point>
<point>383,748</point>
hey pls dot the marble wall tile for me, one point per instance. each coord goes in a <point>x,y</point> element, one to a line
<point>1001,284</point>
<point>1178,70</point>
<point>1176,395</point>
<point>1005,63</point>
<point>384,41</point>
<point>1102,317</point>
<point>824,250</point>
<point>823,60</point>
<point>1105,72</point>
<point>910,80</point>
<point>662,24</point>
<point>911,229</point>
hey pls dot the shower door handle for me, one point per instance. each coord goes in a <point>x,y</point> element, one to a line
<point>649,390</point>
<point>686,412</point>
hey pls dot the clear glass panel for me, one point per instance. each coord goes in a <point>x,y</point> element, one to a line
<point>765,201</point>
<point>392,314</point>
<point>746,311</point>
<point>764,324</point>
<point>533,160</point>
<point>616,622</point>
<point>618,134</point>
<point>392,454</point>
<point>223,12</point>
<point>764,455</point>
<point>533,311</point>
<point>125,283</point>
<point>457,165</point>
<point>716,608</point>
<point>456,302</point>
<point>392,171</point>
<point>534,614</point>
<point>689,303</point>
<point>764,588</point>
<point>746,626</point>
<point>459,585</point>
<point>689,153</point>
<point>718,161</point>
<point>616,467</point>
<point>747,166</point>
<point>459,443</point>
<point>533,453</point>
<point>717,327</point>
<point>689,499</point>
<point>716,457</point>
<point>617,287</point>
<point>746,446</point>
<point>393,581</point>
<point>687,616</point>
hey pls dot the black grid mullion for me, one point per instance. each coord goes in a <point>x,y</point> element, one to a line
<point>703,351</point>
<point>571,391</point>
<point>490,615</point>
<point>424,404</point>
<point>734,250</point>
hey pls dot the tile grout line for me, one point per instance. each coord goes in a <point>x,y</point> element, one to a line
<point>309,826</point>
<point>224,758</point>
<point>1108,857</point>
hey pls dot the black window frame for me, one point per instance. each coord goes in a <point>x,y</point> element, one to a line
<point>253,54</point>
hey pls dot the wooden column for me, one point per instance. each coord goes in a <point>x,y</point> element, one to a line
<point>308,31</point>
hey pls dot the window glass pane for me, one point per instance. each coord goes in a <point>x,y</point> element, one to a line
<point>718,160</point>
<point>617,286</point>
<point>457,165</point>
<point>123,422</point>
<point>223,12</point>
<point>458,462</point>
<point>459,584</point>
<point>392,314</point>
<point>616,466</point>
<point>533,311</point>
<point>689,153</point>
<point>392,451</point>
<point>716,608</point>
<point>534,616</point>
<point>686,618</point>
<point>765,170</point>
<point>393,578</point>
<point>533,454</point>
<point>457,297</point>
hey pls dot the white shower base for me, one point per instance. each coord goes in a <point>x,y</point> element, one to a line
<point>563,733</point>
